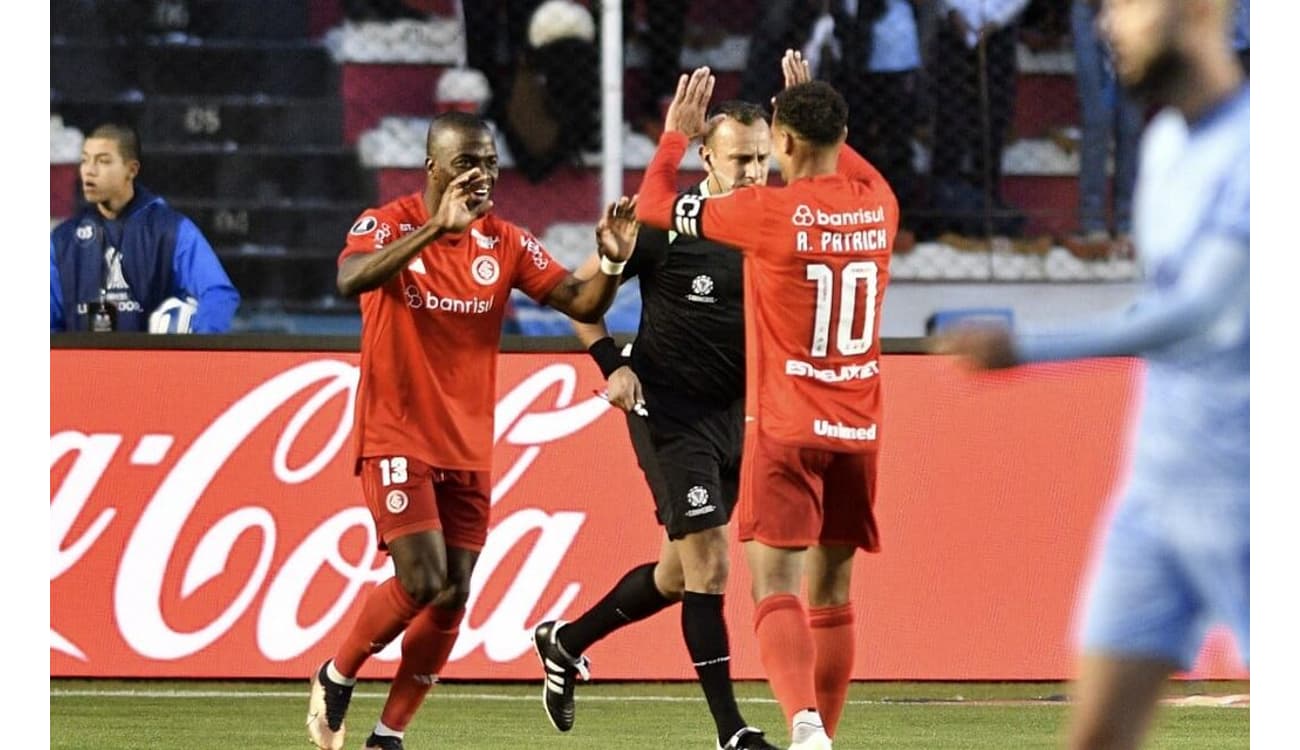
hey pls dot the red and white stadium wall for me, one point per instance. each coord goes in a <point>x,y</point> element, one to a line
<point>206,522</point>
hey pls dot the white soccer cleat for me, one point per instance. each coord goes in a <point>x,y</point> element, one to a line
<point>808,733</point>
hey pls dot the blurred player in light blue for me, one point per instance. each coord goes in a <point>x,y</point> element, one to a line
<point>1177,554</point>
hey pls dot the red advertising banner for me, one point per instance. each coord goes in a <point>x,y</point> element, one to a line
<point>206,522</point>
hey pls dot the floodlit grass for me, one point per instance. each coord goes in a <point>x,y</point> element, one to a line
<point>113,715</point>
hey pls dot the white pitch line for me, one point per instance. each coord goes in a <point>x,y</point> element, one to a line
<point>194,694</point>
<point>442,696</point>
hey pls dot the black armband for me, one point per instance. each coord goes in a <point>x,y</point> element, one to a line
<point>607,356</point>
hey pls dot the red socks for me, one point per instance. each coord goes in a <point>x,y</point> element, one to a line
<point>425,649</point>
<point>832,637</point>
<point>786,648</point>
<point>387,612</point>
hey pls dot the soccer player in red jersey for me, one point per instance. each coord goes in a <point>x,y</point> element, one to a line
<point>817,254</point>
<point>434,271</point>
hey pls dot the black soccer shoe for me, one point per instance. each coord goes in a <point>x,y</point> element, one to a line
<point>383,742</point>
<point>561,672</point>
<point>326,708</point>
<point>748,738</point>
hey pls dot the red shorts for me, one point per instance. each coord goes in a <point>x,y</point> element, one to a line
<point>406,496</point>
<point>795,497</point>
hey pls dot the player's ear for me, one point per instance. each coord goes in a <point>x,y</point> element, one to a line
<point>785,141</point>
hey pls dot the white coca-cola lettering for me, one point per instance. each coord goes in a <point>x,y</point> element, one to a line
<point>137,596</point>
<point>313,467</point>
<point>504,632</point>
<point>536,429</point>
<point>94,453</point>
<point>152,547</point>
<point>279,636</point>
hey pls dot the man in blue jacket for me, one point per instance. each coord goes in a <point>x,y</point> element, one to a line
<point>126,252</point>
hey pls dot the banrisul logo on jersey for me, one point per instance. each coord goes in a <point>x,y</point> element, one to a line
<point>421,299</point>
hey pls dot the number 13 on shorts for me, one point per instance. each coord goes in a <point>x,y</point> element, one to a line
<point>392,470</point>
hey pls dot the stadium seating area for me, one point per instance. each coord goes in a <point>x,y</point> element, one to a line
<point>273,130</point>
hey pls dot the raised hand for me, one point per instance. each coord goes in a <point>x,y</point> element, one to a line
<point>454,213</point>
<point>795,68</point>
<point>617,230</point>
<point>686,112</point>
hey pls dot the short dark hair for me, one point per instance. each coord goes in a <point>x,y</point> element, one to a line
<point>463,122</point>
<point>814,110</point>
<point>128,142</point>
<point>745,113</point>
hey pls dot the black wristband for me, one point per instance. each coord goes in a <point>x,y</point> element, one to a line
<point>607,355</point>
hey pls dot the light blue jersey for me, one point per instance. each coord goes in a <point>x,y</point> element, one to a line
<point>1177,554</point>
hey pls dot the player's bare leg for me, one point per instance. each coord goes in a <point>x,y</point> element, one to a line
<point>1116,699</point>
<point>785,641</point>
<point>829,570</point>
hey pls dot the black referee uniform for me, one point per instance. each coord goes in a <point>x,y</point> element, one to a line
<point>689,354</point>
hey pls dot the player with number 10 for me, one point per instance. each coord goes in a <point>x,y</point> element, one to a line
<point>817,254</point>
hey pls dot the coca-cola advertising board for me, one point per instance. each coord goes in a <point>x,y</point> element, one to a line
<point>206,521</point>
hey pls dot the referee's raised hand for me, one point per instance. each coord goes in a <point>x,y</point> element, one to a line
<point>686,112</point>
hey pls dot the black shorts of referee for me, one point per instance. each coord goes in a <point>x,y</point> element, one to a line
<point>690,453</point>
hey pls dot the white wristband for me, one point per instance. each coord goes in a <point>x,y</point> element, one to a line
<point>610,267</point>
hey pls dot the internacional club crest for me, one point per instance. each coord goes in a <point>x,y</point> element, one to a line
<point>485,270</point>
<point>396,501</point>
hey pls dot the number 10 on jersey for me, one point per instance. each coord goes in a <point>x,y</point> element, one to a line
<point>846,342</point>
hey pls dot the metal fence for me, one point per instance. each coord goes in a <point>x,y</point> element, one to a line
<point>273,125</point>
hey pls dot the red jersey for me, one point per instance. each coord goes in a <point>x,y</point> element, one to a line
<point>430,335</point>
<point>816,264</point>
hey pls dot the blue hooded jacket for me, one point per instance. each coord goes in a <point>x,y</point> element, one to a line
<point>133,263</point>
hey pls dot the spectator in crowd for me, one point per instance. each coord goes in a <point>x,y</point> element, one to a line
<point>560,72</point>
<point>665,26</point>
<point>126,253</point>
<point>877,52</point>
<point>543,69</point>
<point>783,24</point>
<point>973,69</point>
<point>1108,115</point>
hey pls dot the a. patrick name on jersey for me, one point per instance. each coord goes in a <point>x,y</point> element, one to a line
<point>856,238</point>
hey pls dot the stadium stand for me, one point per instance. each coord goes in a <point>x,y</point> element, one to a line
<point>273,130</point>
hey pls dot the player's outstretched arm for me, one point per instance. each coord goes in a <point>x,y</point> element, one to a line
<point>586,299</point>
<point>365,271</point>
<point>683,121</point>
<point>1212,285</point>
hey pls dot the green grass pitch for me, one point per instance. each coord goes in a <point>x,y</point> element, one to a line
<point>117,715</point>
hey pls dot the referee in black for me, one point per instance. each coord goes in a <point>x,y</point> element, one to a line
<point>683,386</point>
